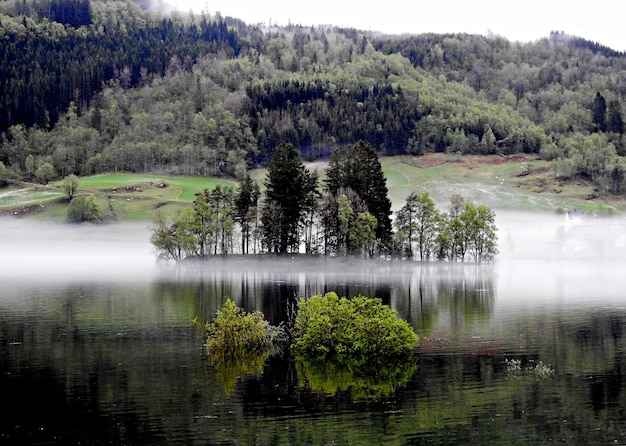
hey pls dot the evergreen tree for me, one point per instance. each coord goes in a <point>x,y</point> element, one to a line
<point>357,167</point>
<point>288,188</point>
<point>599,113</point>
<point>615,120</point>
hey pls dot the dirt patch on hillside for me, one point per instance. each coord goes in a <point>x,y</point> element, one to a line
<point>430,160</point>
<point>22,210</point>
<point>124,189</point>
<point>471,161</point>
<point>468,161</point>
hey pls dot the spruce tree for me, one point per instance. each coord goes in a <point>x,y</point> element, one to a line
<point>599,113</point>
<point>357,167</point>
<point>288,188</point>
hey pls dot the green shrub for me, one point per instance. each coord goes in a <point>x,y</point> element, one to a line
<point>45,173</point>
<point>3,174</point>
<point>84,209</point>
<point>355,332</point>
<point>235,332</point>
<point>238,343</point>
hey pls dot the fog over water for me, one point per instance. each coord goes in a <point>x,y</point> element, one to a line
<point>35,250</point>
<point>97,344</point>
<point>528,242</point>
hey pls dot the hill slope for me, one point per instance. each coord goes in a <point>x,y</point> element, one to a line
<point>121,89</point>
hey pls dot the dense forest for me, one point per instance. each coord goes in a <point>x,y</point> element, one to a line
<point>89,86</point>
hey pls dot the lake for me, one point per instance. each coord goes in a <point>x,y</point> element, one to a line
<point>97,345</point>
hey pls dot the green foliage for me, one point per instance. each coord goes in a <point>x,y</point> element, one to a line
<point>467,231</point>
<point>45,173</point>
<point>50,64</point>
<point>235,332</point>
<point>479,232</point>
<point>330,378</point>
<point>3,174</point>
<point>70,186</point>
<point>418,223</point>
<point>246,202</point>
<point>84,209</point>
<point>238,343</point>
<point>166,239</point>
<point>120,89</point>
<point>355,344</point>
<point>358,168</point>
<point>357,332</point>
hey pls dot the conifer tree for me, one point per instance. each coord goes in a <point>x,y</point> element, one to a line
<point>288,188</point>
<point>357,167</point>
<point>599,112</point>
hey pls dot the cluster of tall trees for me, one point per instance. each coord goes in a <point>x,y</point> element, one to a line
<point>205,229</point>
<point>350,214</point>
<point>90,86</point>
<point>466,232</point>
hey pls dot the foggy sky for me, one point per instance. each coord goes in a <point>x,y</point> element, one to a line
<point>600,21</point>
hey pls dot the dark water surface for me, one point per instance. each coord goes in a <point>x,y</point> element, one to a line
<point>96,347</point>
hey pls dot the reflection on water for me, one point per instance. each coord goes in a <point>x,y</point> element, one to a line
<point>359,384</point>
<point>102,361</point>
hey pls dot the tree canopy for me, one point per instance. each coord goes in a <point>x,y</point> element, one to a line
<point>91,86</point>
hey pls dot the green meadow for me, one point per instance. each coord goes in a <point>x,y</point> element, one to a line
<point>122,196</point>
<point>518,183</point>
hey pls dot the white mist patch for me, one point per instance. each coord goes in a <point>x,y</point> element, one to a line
<point>552,236</point>
<point>528,235</point>
<point>47,251</point>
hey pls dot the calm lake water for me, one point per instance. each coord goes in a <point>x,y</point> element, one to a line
<point>97,347</point>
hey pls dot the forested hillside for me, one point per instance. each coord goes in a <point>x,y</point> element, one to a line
<point>91,86</point>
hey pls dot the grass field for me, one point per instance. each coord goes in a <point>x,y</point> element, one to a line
<point>515,183</point>
<point>124,196</point>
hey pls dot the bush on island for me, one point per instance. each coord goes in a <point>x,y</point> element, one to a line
<point>235,332</point>
<point>357,332</point>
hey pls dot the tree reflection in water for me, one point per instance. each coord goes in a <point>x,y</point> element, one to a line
<point>362,383</point>
<point>235,367</point>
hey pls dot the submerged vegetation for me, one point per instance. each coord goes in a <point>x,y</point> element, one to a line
<point>355,344</point>
<point>539,370</point>
<point>238,343</point>
<point>358,332</point>
<point>235,332</point>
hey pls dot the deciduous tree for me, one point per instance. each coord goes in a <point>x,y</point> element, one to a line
<point>480,232</point>
<point>70,186</point>
<point>246,202</point>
